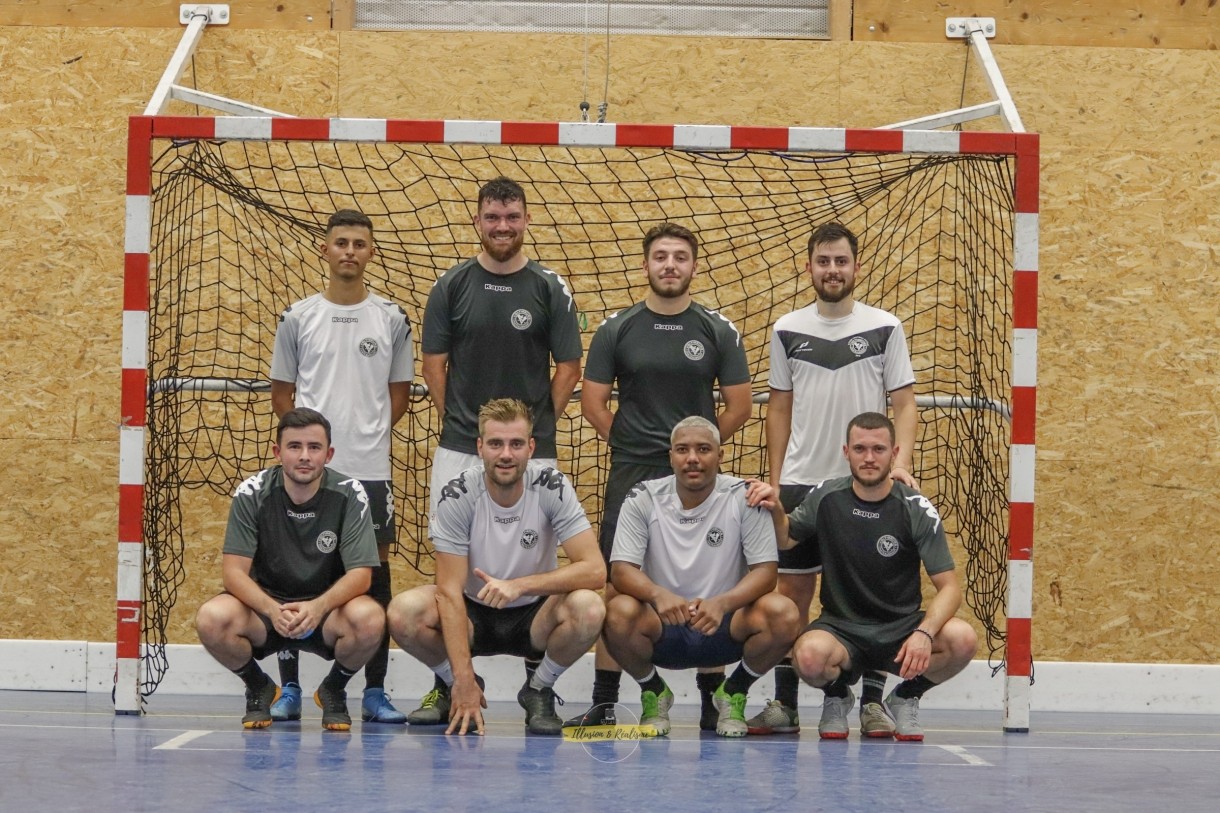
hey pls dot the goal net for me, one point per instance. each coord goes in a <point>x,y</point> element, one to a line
<point>235,215</point>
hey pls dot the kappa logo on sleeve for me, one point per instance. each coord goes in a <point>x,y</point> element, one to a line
<point>251,484</point>
<point>454,489</point>
<point>551,479</point>
<point>928,508</point>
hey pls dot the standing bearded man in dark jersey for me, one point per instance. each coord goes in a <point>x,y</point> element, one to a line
<point>492,325</point>
<point>298,560</point>
<point>667,354</point>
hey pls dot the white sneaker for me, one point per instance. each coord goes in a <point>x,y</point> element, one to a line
<point>833,725</point>
<point>906,717</point>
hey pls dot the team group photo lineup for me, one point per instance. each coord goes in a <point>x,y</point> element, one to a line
<point>689,565</point>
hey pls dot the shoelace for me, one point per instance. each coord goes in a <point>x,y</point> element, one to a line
<point>431,700</point>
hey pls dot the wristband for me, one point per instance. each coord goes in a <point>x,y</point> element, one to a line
<point>931,639</point>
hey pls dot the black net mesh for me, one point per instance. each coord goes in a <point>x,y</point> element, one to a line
<point>235,227</point>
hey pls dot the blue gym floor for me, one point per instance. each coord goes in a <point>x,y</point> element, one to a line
<point>70,752</point>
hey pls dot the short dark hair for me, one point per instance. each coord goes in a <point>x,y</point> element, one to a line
<point>831,232</point>
<point>501,190</point>
<point>299,418</point>
<point>871,420</point>
<point>671,230</point>
<point>505,410</point>
<point>349,217</point>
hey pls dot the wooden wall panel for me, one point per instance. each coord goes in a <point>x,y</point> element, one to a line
<point>1193,24</point>
<point>1128,458</point>
<point>284,15</point>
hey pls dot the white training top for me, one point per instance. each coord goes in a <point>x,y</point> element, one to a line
<point>507,543</point>
<point>835,370</point>
<point>696,553</point>
<point>342,359</point>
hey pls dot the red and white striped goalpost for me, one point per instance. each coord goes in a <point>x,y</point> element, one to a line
<point>142,130</point>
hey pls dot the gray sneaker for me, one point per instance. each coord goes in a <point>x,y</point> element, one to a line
<point>539,705</point>
<point>732,708</point>
<point>775,718</point>
<point>833,725</point>
<point>655,710</point>
<point>434,708</point>
<point>906,717</point>
<point>875,721</point>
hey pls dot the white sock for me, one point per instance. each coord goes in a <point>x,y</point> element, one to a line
<point>444,671</point>
<point>547,673</point>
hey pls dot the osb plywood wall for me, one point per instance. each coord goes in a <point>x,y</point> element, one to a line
<point>1128,461</point>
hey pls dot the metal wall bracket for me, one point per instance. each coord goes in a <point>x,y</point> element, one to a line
<point>959,28</point>
<point>215,13</point>
<point>197,18</point>
<point>977,30</point>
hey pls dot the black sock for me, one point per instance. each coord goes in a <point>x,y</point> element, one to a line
<point>339,676</point>
<point>708,682</point>
<point>787,684</point>
<point>837,687</point>
<point>375,670</point>
<point>915,687</point>
<point>873,688</point>
<point>531,666</point>
<point>740,681</point>
<point>654,684</point>
<point>290,667</point>
<point>605,685</point>
<point>252,675</point>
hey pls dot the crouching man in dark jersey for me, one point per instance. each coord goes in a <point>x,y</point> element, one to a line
<point>298,559</point>
<point>874,532</point>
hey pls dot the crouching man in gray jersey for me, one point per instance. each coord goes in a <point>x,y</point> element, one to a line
<point>695,564</point>
<point>499,589</point>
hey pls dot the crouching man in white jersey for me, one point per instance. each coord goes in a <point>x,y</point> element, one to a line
<point>499,588</point>
<point>695,565</point>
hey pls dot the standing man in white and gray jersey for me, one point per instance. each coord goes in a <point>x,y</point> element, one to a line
<point>346,352</point>
<point>492,326</point>
<point>667,353</point>
<point>694,564</point>
<point>499,588</point>
<point>830,361</point>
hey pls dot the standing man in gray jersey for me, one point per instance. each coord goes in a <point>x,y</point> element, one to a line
<point>667,354</point>
<point>830,361</point>
<point>347,353</point>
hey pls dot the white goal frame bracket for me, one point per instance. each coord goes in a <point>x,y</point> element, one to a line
<point>197,17</point>
<point>977,30</point>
